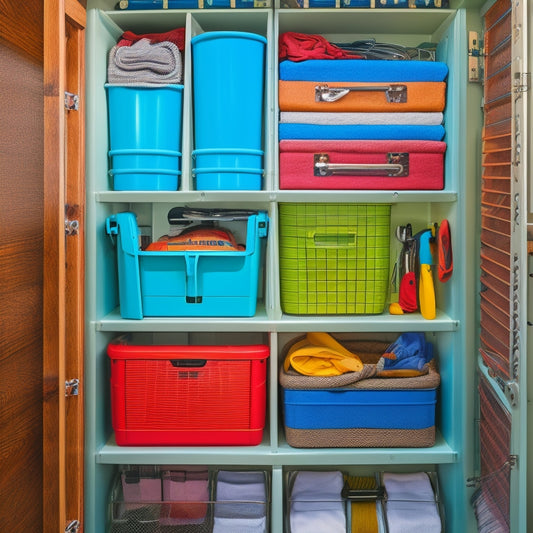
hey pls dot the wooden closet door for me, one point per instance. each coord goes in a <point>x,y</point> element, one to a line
<point>21,264</point>
<point>63,306</point>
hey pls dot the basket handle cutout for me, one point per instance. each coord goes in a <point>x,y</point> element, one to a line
<point>188,363</point>
<point>333,240</point>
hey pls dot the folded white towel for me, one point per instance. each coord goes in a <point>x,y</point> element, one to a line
<point>411,505</point>
<point>335,119</point>
<point>240,502</point>
<point>316,504</point>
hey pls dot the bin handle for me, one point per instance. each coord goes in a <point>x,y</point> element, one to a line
<point>397,166</point>
<point>332,240</point>
<point>188,363</point>
<point>394,93</point>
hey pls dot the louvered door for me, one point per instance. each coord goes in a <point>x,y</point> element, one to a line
<point>498,502</point>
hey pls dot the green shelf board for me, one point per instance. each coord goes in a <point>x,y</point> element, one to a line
<point>180,197</point>
<point>264,454</point>
<point>287,323</point>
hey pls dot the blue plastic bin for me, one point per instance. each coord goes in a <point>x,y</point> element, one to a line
<point>345,408</point>
<point>186,283</point>
<point>145,125</point>
<point>228,93</point>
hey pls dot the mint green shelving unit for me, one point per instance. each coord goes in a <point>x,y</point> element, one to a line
<point>453,332</point>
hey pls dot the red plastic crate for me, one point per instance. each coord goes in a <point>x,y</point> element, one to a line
<point>188,395</point>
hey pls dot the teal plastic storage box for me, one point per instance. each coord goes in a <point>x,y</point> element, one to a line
<point>186,283</point>
<point>145,137</point>
<point>228,104</point>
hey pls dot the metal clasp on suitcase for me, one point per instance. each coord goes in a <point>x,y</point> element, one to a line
<point>397,166</point>
<point>395,93</point>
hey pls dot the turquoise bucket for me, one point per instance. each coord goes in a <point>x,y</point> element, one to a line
<point>145,136</point>
<point>228,94</point>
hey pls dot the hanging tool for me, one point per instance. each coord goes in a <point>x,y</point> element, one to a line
<point>426,288</point>
<point>407,298</point>
<point>444,251</point>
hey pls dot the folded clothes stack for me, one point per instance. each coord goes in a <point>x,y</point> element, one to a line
<point>188,490</point>
<point>148,59</point>
<point>411,504</point>
<point>241,502</point>
<point>316,504</point>
<point>328,92</point>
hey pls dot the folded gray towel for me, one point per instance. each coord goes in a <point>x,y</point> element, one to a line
<point>145,63</point>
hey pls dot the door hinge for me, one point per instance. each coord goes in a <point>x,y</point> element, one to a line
<point>521,82</point>
<point>72,224</point>
<point>73,526</point>
<point>72,387</point>
<point>510,464</point>
<point>71,227</point>
<point>510,388</point>
<point>72,101</point>
<point>475,57</point>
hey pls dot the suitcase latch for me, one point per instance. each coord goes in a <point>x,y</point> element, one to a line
<point>394,93</point>
<point>397,166</point>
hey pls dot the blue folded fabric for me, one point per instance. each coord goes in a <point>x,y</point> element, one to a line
<point>362,70</point>
<point>411,351</point>
<point>361,132</point>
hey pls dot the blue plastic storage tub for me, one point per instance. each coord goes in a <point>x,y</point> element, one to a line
<point>348,408</point>
<point>351,418</point>
<point>145,125</point>
<point>186,283</point>
<point>228,94</point>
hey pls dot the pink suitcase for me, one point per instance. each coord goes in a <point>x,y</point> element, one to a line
<point>358,165</point>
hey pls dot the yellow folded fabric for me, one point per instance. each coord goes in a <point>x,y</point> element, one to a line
<point>319,354</point>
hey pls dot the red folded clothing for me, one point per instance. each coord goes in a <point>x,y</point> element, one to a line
<point>176,36</point>
<point>301,46</point>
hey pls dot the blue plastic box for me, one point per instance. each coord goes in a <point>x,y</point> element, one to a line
<point>360,418</point>
<point>348,408</point>
<point>186,283</point>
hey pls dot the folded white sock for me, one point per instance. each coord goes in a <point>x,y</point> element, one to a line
<point>411,505</point>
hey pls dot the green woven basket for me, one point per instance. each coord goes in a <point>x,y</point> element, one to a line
<point>334,258</point>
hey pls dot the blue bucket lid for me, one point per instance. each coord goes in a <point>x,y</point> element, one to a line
<point>228,34</point>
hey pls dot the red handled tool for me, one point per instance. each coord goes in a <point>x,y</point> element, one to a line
<point>444,250</point>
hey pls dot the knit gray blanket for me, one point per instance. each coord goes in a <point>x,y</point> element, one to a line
<point>145,64</point>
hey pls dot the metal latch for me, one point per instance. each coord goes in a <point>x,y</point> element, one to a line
<point>394,93</point>
<point>72,101</point>
<point>396,165</point>
<point>71,387</point>
<point>475,57</point>
<point>73,526</point>
<point>510,388</point>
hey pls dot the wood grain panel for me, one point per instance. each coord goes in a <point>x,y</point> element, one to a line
<point>21,265</point>
<point>21,27</point>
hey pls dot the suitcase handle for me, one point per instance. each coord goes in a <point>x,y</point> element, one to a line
<point>394,93</point>
<point>397,165</point>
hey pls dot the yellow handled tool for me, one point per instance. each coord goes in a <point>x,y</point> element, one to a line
<point>426,288</point>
